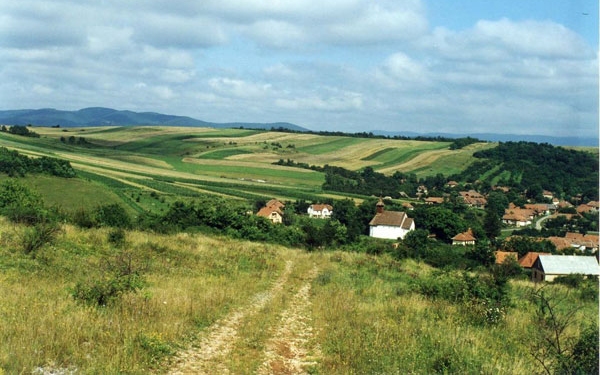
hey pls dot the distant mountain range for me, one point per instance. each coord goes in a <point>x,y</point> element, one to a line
<point>493,137</point>
<point>98,116</point>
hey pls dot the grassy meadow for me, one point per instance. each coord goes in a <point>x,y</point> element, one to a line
<point>365,314</point>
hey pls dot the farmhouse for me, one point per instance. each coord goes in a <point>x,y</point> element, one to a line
<point>548,267</point>
<point>464,239</point>
<point>577,241</point>
<point>272,211</point>
<point>473,198</point>
<point>390,224</point>
<point>321,211</point>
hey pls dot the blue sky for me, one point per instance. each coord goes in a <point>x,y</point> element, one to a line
<point>527,67</point>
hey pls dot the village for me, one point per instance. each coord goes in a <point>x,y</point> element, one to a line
<point>571,253</point>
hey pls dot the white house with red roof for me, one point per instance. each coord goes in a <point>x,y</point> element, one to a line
<point>321,211</point>
<point>390,224</point>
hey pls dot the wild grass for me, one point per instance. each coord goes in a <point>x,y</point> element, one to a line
<point>372,320</point>
<point>368,312</point>
<point>192,281</point>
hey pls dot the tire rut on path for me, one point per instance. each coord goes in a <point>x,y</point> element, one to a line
<point>289,350</point>
<point>208,355</point>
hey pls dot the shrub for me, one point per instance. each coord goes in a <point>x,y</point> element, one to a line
<point>37,236</point>
<point>116,237</point>
<point>121,275</point>
<point>83,219</point>
<point>573,280</point>
<point>113,215</point>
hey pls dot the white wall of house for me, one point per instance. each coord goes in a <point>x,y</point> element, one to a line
<point>324,214</point>
<point>387,232</point>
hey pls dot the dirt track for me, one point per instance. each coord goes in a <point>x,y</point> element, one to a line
<point>287,351</point>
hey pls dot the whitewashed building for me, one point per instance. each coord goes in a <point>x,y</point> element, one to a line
<point>321,211</point>
<point>390,224</point>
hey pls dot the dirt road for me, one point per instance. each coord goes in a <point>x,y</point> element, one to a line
<point>288,349</point>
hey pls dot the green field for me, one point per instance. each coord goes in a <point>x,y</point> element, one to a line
<point>239,161</point>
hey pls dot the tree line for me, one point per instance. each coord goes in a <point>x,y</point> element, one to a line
<point>19,130</point>
<point>14,164</point>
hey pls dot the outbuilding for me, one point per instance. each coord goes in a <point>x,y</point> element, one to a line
<point>549,267</point>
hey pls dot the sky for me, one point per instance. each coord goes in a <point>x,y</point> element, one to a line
<point>453,66</point>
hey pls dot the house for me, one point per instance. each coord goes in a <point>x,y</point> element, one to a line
<point>452,184</point>
<point>275,203</point>
<point>547,194</point>
<point>464,239</point>
<point>502,256</point>
<point>408,206</point>
<point>515,219</point>
<point>560,243</point>
<point>473,198</point>
<point>527,260</point>
<point>434,200</point>
<point>548,267</point>
<point>583,241</point>
<point>321,211</point>
<point>390,224</point>
<point>585,208</point>
<point>540,208</point>
<point>517,216</point>
<point>272,213</point>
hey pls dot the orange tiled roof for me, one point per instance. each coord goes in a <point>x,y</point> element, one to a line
<point>529,259</point>
<point>503,255</point>
<point>465,236</point>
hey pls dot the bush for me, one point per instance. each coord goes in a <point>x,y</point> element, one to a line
<point>116,237</point>
<point>83,219</point>
<point>121,275</point>
<point>573,280</point>
<point>113,215</point>
<point>20,204</point>
<point>37,236</point>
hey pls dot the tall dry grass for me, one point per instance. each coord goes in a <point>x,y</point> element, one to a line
<point>372,320</point>
<point>191,282</point>
<point>367,313</point>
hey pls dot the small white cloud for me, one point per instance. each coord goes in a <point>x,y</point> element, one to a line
<point>239,88</point>
<point>42,90</point>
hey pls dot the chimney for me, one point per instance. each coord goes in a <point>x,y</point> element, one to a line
<point>380,206</point>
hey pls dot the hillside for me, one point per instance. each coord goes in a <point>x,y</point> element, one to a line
<point>197,304</point>
<point>235,163</point>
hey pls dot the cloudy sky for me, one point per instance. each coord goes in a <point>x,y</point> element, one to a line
<point>461,66</point>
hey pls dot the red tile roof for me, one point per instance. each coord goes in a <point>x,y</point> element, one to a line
<point>501,256</point>
<point>465,236</point>
<point>529,259</point>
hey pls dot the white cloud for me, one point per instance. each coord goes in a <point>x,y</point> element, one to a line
<point>239,88</point>
<point>349,65</point>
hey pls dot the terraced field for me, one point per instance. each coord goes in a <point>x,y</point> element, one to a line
<point>229,162</point>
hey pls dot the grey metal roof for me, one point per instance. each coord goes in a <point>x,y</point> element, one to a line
<point>568,264</point>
